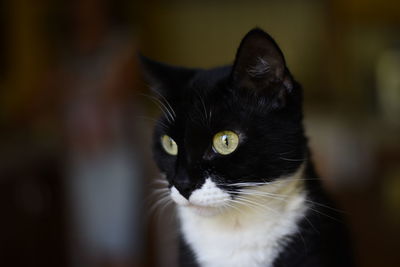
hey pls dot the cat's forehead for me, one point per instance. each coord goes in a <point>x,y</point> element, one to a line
<point>210,78</point>
<point>205,94</point>
<point>209,102</point>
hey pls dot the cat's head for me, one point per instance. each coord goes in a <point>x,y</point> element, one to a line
<point>227,128</point>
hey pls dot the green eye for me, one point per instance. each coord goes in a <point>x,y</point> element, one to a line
<point>169,145</point>
<point>225,142</point>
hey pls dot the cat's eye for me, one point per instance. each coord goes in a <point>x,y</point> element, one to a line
<point>225,142</point>
<point>169,145</point>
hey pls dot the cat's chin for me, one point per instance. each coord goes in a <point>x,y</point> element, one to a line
<point>205,211</point>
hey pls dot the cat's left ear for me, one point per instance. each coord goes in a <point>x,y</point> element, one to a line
<point>165,80</point>
<point>260,66</point>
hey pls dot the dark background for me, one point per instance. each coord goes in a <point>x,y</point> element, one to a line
<point>58,58</point>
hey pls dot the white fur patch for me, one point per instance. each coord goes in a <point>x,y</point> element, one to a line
<point>207,200</point>
<point>246,235</point>
<point>178,198</point>
<point>209,195</point>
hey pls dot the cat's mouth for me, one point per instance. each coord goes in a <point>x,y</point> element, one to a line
<point>207,200</point>
<point>209,209</point>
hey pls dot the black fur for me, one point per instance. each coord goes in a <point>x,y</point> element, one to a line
<point>258,98</point>
<point>323,239</point>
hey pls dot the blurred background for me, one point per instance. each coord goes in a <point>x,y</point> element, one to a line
<point>76,174</point>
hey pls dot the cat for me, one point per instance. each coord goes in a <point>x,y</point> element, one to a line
<point>232,147</point>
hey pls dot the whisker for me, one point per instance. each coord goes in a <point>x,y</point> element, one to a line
<point>167,102</point>
<point>158,203</point>
<point>312,226</point>
<point>287,159</point>
<point>205,117</point>
<point>156,192</point>
<point>325,206</point>
<point>166,204</point>
<point>165,126</point>
<point>249,184</point>
<point>162,107</point>
<point>160,181</point>
<point>287,152</point>
<point>257,204</point>
<point>244,204</point>
<point>260,195</point>
<point>233,207</point>
<point>155,195</point>
<point>284,198</point>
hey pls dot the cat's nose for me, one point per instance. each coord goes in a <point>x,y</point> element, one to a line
<point>185,189</point>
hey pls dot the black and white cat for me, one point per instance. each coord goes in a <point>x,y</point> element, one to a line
<point>232,147</point>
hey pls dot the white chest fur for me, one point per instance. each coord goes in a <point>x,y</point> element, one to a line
<point>250,236</point>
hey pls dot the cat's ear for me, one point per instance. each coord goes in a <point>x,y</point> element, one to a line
<point>260,65</point>
<point>165,79</point>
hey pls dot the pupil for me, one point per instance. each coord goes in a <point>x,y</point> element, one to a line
<point>225,140</point>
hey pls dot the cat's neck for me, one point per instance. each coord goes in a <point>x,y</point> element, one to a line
<point>254,227</point>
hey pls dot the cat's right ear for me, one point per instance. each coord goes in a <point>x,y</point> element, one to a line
<point>260,66</point>
<point>164,79</point>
